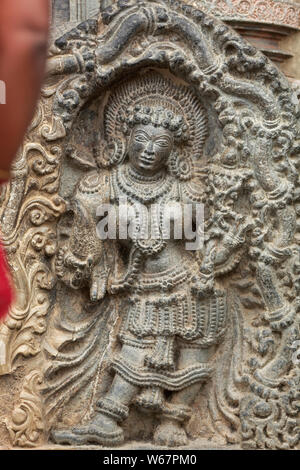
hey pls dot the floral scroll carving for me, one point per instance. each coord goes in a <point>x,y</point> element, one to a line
<point>26,426</point>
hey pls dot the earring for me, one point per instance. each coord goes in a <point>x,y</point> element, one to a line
<point>111,153</point>
<point>180,166</point>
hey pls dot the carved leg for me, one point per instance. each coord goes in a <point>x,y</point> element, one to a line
<point>111,410</point>
<point>104,428</point>
<point>171,430</point>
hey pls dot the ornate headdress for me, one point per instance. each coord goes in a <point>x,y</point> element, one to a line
<point>151,98</point>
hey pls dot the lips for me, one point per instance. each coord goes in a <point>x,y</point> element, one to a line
<point>146,160</point>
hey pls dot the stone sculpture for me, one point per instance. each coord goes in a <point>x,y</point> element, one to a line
<point>175,313</point>
<point>159,103</point>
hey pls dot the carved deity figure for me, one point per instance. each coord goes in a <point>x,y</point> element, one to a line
<point>174,313</point>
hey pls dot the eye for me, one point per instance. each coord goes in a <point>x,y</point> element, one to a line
<point>140,137</point>
<point>162,142</point>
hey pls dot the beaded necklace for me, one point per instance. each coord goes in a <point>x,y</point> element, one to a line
<point>141,188</point>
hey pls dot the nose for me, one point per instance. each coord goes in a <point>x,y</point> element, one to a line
<point>149,150</point>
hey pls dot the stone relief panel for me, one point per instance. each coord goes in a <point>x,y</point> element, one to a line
<point>137,337</point>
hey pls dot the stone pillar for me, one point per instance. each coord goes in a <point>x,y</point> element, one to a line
<point>60,11</point>
<point>76,7</point>
<point>81,10</point>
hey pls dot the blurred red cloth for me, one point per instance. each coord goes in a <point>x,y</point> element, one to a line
<point>6,292</point>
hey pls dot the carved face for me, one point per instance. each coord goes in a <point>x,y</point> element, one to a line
<point>149,148</point>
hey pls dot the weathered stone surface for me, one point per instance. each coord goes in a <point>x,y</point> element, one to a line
<point>271,26</point>
<point>140,339</point>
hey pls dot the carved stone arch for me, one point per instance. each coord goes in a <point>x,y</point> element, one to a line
<point>250,181</point>
<point>234,68</point>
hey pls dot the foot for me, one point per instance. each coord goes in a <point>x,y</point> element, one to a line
<point>101,430</point>
<point>171,434</point>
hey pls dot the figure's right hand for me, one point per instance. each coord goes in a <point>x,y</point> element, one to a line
<point>98,285</point>
<point>70,269</point>
<point>72,261</point>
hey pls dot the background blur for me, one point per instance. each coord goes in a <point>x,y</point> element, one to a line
<point>68,13</point>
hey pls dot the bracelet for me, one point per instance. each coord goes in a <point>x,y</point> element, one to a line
<point>4,175</point>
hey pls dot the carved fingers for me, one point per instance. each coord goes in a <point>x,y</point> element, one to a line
<point>72,261</point>
<point>72,270</point>
<point>98,284</point>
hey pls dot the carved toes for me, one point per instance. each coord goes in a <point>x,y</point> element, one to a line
<point>171,435</point>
